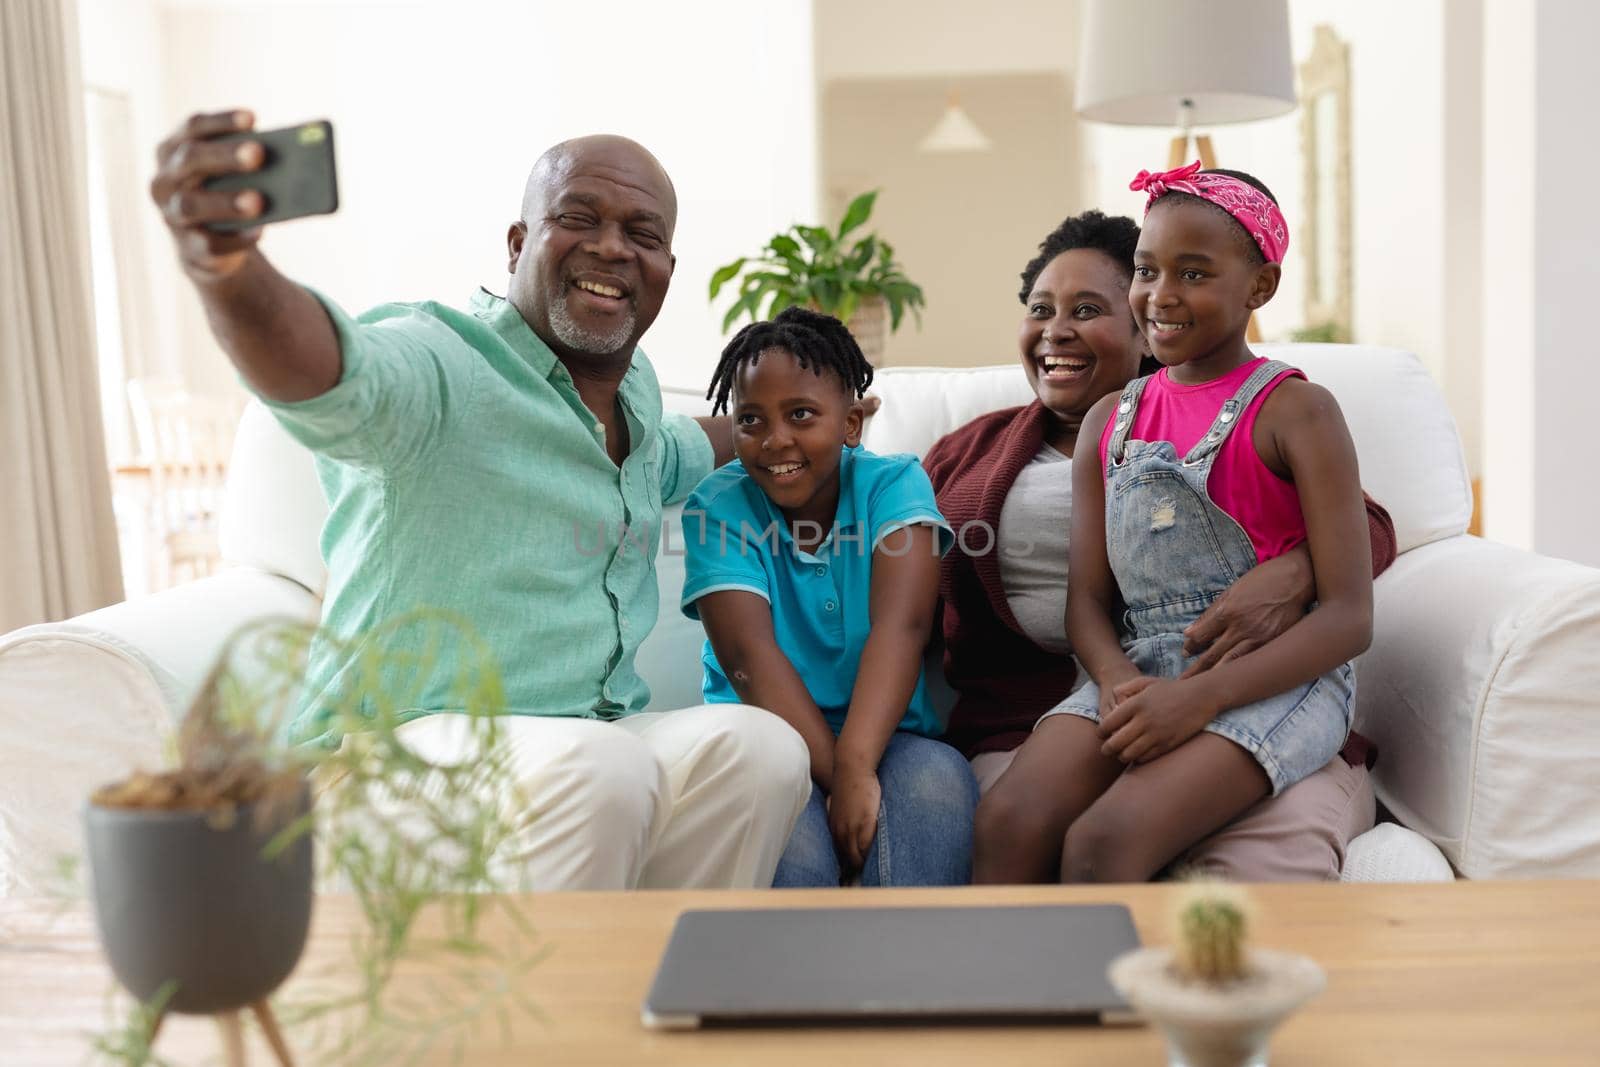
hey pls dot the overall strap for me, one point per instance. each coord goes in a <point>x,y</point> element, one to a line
<point>1122,421</point>
<point>1232,408</point>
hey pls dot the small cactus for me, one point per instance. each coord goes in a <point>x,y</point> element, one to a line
<point>1212,923</point>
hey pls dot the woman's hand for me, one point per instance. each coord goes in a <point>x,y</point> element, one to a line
<point>853,817</point>
<point>1150,717</point>
<point>1263,603</point>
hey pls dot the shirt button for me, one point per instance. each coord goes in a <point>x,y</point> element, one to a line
<point>599,428</point>
<point>822,572</point>
<point>830,606</point>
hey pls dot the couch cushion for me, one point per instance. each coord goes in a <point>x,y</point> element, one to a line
<point>273,508</point>
<point>1406,439</point>
<point>78,709</point>
<point>922,404</point>
<point>1479,690</point>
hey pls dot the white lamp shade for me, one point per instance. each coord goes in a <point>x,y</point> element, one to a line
<point>1139,62</point>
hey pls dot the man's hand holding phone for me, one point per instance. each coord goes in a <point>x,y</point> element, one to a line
<point>183,163</point>
<point>219,180</point>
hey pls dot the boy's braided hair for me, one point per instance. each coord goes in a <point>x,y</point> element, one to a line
<point>814,339</point>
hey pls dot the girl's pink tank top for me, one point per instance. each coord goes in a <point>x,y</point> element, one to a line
<point>1265,506</point>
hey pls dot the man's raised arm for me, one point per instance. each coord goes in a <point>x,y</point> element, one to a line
<point>275,332</point>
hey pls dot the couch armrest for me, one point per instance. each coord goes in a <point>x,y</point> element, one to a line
<point>1482,690</point>
<point>86,700</point>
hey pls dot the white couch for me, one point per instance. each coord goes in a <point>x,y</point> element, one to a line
<point>1482,687</point>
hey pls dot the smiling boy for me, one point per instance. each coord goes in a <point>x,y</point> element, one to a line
<point>814,565</point>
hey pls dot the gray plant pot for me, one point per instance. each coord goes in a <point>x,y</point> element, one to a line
<point>178,900</point>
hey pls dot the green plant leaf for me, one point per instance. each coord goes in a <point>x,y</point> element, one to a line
<point>847,306</point>
<point>859,210</point>
<point>861,255</point>
<point>725,275</point>
<point>746,304</point>
<point>818,239</point>
<point>826,293</point>
<point>813,267</point>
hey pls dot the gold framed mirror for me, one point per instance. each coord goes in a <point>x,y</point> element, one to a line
<point>1325,152</point>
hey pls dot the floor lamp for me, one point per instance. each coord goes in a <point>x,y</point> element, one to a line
<point>1185,63</point>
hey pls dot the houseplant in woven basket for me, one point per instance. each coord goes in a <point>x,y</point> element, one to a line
<point>1216,999</point>
<point>853,277</point>
<point>202,873</point>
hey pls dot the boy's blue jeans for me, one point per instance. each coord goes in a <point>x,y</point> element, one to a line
<point>924,823</point>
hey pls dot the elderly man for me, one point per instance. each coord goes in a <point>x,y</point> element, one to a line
<point>461,454</point>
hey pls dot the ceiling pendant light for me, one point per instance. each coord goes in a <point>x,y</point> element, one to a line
<point>954,132</point>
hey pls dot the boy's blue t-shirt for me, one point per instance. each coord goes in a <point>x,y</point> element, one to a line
<point>736,538</point>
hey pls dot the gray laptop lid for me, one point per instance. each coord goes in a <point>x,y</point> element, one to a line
<point>848,964</point>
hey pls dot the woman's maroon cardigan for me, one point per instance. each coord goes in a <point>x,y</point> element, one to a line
<point>1004,681</point>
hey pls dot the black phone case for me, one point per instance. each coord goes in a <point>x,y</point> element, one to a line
<point>297,177</point>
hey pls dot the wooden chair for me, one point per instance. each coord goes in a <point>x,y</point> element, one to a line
<point>184,441</point>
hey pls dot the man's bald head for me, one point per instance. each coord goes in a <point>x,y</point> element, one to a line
<point>591,257</point>
<point>622,160</point>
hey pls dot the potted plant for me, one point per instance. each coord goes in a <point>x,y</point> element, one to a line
<point>202,874</point>
<point>1216,1000</point>
<point>858,282</point>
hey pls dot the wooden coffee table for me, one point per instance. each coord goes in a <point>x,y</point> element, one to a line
<point>1502,973</point>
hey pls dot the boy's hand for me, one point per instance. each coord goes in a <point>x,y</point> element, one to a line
<point>1155,717</point>
<point>853,817</point>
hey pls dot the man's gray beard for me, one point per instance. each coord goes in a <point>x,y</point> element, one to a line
<point>575,337</point>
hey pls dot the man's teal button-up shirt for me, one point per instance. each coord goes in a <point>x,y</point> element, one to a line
<point>466,478</point>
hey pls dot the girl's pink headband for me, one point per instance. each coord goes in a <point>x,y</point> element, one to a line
<point>1249,206</point>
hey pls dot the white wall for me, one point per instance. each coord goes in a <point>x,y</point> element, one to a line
<point>440,109</point>
<point>925,38</point>
<point>1541,380</point>
<point>120,54</point>
<point>963,224</point>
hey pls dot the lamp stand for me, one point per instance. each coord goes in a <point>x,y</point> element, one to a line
<point>1179,154</point>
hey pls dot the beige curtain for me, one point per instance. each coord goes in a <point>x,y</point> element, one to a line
<point>58,539</point>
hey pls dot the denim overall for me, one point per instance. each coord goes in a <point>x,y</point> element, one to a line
<point>1173,552</point>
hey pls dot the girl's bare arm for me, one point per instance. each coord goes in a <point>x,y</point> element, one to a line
<point>1092,597</point>
<point>1312,445</point>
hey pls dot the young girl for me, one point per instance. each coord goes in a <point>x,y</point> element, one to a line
<point>814,566</point>
<point>1216,463</point>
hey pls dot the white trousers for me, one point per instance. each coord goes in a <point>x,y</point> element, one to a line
<point>702,798</point>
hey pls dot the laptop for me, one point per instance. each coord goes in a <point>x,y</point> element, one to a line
<point>787,966</point>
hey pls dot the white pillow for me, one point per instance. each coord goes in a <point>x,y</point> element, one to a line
<point>922,404</point>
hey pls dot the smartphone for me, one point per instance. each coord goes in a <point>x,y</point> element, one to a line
<point>296,178</point>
